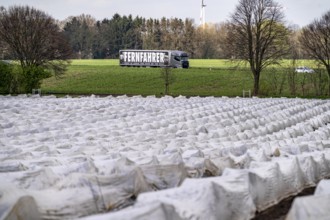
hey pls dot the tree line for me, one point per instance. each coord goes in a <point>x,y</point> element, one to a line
<point>94,39</point>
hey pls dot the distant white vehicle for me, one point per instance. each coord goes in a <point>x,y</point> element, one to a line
<point>304,69</point>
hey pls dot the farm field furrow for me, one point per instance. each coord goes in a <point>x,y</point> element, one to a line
<point>158,158</point>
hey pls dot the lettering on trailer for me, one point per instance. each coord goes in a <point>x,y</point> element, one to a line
<point>143,57</point>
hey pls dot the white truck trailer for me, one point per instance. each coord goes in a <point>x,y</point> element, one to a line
<point>154,58</point>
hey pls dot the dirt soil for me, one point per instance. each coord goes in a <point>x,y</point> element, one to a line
<point>279,211</point>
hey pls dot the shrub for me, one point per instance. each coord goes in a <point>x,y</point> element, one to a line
<point>33,76</point>
<point>5,76</point>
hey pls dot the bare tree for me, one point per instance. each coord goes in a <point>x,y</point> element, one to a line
<point>257,35</point>
<point>168,77</point>
<point>35,41</point>
<point>315,39</point>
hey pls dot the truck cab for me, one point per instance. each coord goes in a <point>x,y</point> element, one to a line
<point>179,59</point>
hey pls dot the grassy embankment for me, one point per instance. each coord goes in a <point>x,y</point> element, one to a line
<point>204,78</point>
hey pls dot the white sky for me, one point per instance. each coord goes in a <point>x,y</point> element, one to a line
<point>300,12</point>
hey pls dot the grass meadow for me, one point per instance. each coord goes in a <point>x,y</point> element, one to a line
<point>203,78</point>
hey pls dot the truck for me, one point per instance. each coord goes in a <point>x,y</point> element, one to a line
<point>154,58</point>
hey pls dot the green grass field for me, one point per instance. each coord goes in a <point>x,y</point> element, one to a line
<point>204,78</point>
<point>199,63</point>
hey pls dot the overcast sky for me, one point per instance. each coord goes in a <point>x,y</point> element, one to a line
<point>300,12</point>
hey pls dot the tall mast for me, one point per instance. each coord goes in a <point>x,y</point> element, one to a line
<point>202,18</point>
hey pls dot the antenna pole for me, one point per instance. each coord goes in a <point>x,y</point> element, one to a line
<point>202,18</point>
